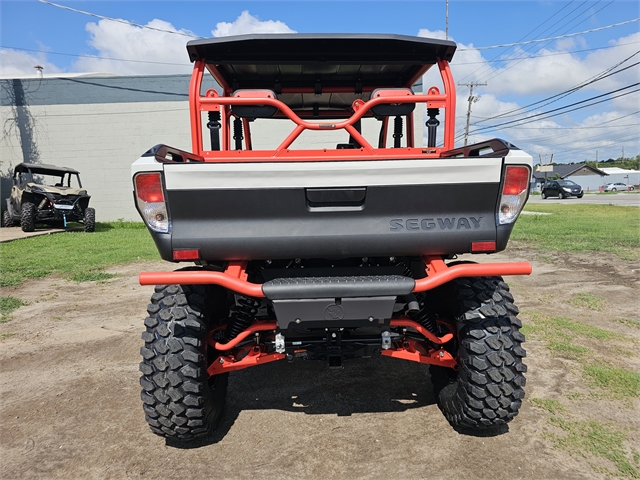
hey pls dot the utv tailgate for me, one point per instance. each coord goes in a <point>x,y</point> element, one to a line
<point>231,211</point>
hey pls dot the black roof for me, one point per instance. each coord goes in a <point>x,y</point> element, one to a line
<point>336,60</point>
<point>42,169</point>
<point>565,170</point>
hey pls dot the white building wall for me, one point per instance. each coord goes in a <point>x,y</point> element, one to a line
<point>101,141</point>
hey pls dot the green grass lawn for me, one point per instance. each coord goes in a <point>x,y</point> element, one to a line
<point>76,255</point>
<point>84,256</point>
<point>581,228</point>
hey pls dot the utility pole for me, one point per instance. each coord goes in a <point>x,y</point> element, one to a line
<point>545,168</point>
<point>472,99</point>
<point>447,22</point>
<point>596,158</point>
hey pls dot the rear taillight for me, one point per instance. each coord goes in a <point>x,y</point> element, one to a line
<point>514,193</point>
<point>150,200</point>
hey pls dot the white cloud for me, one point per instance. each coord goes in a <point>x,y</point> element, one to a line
<point>426,33</point>
<point>528,80</point>
<point>148,51</point>
<point>153,52</point>
<point>247,23</point>
<point>17,63</point>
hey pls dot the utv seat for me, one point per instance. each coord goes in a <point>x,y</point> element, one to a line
<point>392,109</point>
<point>254,111</point>
<point>396,110</point>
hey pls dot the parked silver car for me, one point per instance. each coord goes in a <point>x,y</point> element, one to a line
<point>617,187</point>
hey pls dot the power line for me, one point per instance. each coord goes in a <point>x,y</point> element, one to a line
<point>544,55</point>
<point>533,118</point>
<point>573,109</point>
<point>118,20</point>
<point>600,76</point>
<point>135,112</point>
<point>487,69</point>
<point>495,74</point>
<point>596,137</point>
<point>175,32</point>
<point>94,56</point>
<point>522,38</point>
<point>603,126</point>
<point>570,128</point>
<point>617,141</point>
<point>546,39</point>
<point>187,64</point>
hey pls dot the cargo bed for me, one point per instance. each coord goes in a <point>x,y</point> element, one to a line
<point>337,209</point>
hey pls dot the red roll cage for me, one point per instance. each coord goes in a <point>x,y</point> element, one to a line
<point>428,52</point>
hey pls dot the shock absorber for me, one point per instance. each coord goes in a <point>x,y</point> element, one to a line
<point>242,316</point>
<point>424,317</point>
<point>432,126</point>
<point>237,133</point>
<point>397,131</point>
<point>214,128</point>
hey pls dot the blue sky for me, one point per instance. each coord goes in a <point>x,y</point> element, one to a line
<point>37,33</point>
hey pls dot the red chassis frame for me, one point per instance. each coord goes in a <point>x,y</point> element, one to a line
<point>213,102</point>
<point>235,278</point>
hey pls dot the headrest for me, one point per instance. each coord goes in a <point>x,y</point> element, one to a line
<point>392,109</point>
<point>257,110</point>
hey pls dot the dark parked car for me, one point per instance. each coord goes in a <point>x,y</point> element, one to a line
<point>47,194</point>
<point>562,189</point>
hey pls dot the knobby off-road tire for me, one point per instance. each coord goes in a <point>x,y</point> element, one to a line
<point>487,391</point>
<point>179,400</point>
<point>28,217</point>
<point>89,220</point>
<point>7,219</point>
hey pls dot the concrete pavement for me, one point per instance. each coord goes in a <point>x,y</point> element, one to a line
<point>8,234</point>
<point>622,198</point>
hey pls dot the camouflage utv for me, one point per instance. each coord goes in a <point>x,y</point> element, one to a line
<point>47,194</point>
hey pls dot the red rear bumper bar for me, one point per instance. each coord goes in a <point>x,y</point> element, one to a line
<point>235,278</point>
<point>438,273</point>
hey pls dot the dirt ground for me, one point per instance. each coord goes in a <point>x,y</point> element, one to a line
<point>70,404</point>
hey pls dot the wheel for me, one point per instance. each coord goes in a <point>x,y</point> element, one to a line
<point>631,189</point>
<point>179,400</point>
<point>7,219</point>
<point>543,195</point>
<point>614,189</point>
<point>89,220</point>
<point>562,195</point>
<point>487,391</point>
<point>28,217</point>
<point>581,195</point>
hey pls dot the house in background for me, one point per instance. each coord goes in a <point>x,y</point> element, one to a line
<point>588,177</point>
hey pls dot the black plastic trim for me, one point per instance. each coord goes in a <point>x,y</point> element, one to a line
<point>272,223</point>
<point>334,313</point>
<point>497,147</point>
<point>163,152</point>
<point>337,287</point>
<point>324,47</point>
